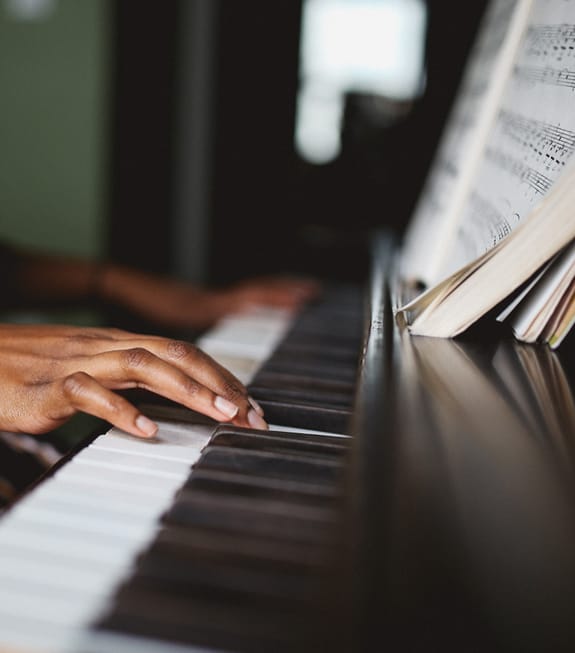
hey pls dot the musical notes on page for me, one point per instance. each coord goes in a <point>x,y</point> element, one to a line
<point>532,138</point>
<point>550,42</point>
<point>546,75</point>
<point>458,154</point>
<point>545,144</point>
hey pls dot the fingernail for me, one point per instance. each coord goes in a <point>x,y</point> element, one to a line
<point>256,422</point>
<point>259,410</point>
<point>226,407</point>
<point>146,425</point>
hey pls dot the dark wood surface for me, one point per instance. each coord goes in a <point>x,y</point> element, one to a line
<point>462,494</point>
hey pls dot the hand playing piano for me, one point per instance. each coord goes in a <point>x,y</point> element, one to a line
<point>174,303</point>
<point>49,373</point>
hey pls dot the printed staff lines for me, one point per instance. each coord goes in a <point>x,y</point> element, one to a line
<point>486,222</point>
<point>526,174</point>
<point>549,143</point>
<point>557,41</point>
<point>545,75</point>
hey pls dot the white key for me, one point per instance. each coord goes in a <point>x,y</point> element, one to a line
<point>102,475</point>
<point>69,493</point>
<point>132,462</point>
<point>148,467</point>
<point>242,367</point>
<point>32,634</point>
<point>17,537</point>
<point>173,436</point>
<point>85,521</point>
<point>252,335</point>
<point>99,642</point>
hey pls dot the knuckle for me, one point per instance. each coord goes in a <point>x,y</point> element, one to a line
<point>74,385</point>
<point>232,391</point>
<point>191,388</point>
<point>46,373</point>
<point>179,350</point>
<point>135,357</point>
<point>114,405</point>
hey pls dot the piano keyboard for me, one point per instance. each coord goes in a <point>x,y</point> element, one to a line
<point>125,547</point>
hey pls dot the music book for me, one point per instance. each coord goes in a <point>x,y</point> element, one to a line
<point>493,230</point>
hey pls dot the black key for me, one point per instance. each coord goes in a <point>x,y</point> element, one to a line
<point>182,542</point>
<point>271,379</point>
<point>247,484</point>
<point>314,369</point>
<point>297,415</point>
<point>272,519</point>
<point>271,465</point>
<point>242,580</point>
<point>230,625</point>
<point>316,397</point>
<point>280,442</point>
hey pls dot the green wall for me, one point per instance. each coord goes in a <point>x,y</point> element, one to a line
<point>53,126</point>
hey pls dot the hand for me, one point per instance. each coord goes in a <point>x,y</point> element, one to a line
<point>178,304</point>
<point>278,292</point>
<point>49,373</point>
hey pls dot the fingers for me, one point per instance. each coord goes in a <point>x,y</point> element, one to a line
<point>204,370</point>
<point>63,347</point>
<point>79,392</point>
<point>282,293</point>
<point>50,373</point>
<point>214,376</point>
<point>196,382</point>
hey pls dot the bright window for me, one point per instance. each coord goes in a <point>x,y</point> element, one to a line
<point>365,46</point>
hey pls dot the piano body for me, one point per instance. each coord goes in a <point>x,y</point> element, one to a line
<point>410,495</point>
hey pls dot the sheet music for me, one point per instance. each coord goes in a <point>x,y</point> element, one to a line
<point>533,136</point>
<point>461,144</point>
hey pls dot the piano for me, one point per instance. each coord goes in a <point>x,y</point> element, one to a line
<point>412,494</point>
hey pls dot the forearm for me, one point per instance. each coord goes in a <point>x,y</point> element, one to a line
<point>160,299</point>
<point>47,279</point>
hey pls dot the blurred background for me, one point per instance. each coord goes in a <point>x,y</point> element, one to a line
<point>215,139</point>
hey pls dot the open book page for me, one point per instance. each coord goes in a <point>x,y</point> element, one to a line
<point>462,142</point>
<point>523,293</point>
<point>532,138</point>
<point>457,302</point>
<point>532,315</point>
